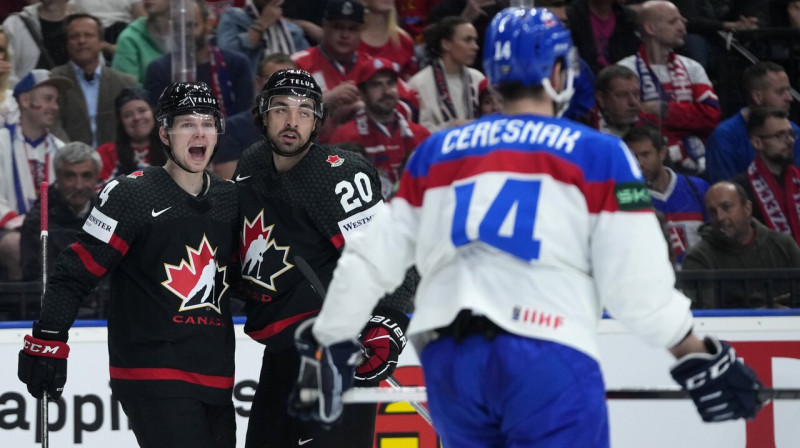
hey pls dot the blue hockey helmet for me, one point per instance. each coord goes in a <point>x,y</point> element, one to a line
<point>523,45</point>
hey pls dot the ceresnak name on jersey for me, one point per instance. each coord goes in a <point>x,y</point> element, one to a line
<point>355,222</point>
<point>100,226</point>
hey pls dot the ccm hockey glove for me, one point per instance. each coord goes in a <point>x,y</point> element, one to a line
<point>383,339</point>
<point>325,374</point>
<point>43,361</point>
<point>721,385</point>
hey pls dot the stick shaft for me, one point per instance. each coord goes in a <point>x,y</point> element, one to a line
<point>419,394</point>
<point>418,406</point>
<point>43,238</point>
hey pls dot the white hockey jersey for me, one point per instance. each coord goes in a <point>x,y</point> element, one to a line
<point>537,223</point>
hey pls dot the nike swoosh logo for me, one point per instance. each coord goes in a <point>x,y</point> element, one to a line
<point>301,442</point>
<point>240,178</point>
<point>155,213</point>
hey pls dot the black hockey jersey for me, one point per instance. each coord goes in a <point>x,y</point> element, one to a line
<point>306,212</point>
<point>170,332</point>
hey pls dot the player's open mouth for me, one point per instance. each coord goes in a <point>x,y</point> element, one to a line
<point>197,152</point>
<point>289,136</point>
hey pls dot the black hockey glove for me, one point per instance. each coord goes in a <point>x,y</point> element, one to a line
<point>722,386</point>
<point>43,361</point>
<point>383,339</point>
<point>325,374</point>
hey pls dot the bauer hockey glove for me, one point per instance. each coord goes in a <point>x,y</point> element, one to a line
<point>326,372</point>
<point>382,339</point>
<point>721,385</point>
<point>43,361</point>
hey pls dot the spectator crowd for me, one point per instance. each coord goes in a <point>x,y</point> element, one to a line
<point>719,155</point>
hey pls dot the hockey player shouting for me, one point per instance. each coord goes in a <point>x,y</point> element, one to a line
<point>165,235</point>
<point>524,227</point>
<point>300,199</point>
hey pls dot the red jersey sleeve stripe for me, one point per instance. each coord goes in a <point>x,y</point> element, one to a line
<point>88,261</point>
<point>275,328</point>
<point>119,244</point>
<point>162,374</point>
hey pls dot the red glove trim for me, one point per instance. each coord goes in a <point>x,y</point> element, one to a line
<point>43,347</point>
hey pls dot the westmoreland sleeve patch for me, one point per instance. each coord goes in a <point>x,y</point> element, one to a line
<point>633,196</point>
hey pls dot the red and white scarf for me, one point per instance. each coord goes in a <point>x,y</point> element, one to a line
<point>780,205</point>
<point>677,88</point>
<point>446,104</point>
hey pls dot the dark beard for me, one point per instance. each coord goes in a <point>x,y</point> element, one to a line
<point>780,159</point>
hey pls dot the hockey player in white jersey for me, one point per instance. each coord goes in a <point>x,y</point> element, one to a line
<point>524,228</point>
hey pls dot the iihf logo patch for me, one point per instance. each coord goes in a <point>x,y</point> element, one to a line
<point>198,281</point>
<point>335,160</point>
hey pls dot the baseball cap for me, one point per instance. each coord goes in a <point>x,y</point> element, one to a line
<point>351,10</point>
<point>38,78</point>
<point>368,69</point>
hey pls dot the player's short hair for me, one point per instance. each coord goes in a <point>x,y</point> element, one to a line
<point>644,132</point>
<point>759,115</point>
<point>77,152</point>
<point>435,33</point>
<point>754,77</point>
<point>82,15</point>
<point>610,73</point>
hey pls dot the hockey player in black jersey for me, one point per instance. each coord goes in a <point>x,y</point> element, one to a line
<point>300,199</point>
<point>166,236</point>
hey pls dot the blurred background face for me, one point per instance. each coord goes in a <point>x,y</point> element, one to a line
<point>75,182</point>
<point>462,48</point>
<point>267,69</point>
<point>775,141</point>
<point>40,105</point>
<point>727,214</point>
<point>489,103</point>
<point>380,93</point>
<point>137,120</point>
<point>776,92</point>
<point>341,37</point>
<point>3,47</point>
<point>620,103</point>
<point>669,27</point>
<point>83,41</point>
<point>650,159</point>
<point>200,29</point>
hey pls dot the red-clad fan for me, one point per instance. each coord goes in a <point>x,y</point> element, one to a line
<point>387,136</point>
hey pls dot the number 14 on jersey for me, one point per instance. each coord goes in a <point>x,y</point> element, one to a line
<point>506,224</point>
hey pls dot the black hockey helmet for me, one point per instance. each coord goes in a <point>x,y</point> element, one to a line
<point>182,98</point>
<point>292,82</point>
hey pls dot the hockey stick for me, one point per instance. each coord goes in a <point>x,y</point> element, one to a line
<point>312,278</point>
<point>43,238</point>
<point>419,393</point>
<point>417,405</point>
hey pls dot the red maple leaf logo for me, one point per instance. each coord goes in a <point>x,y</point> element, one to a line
<point>334,160</point>
<point>258,264</point>
<point>136,174</point>
<point>197,278</point>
